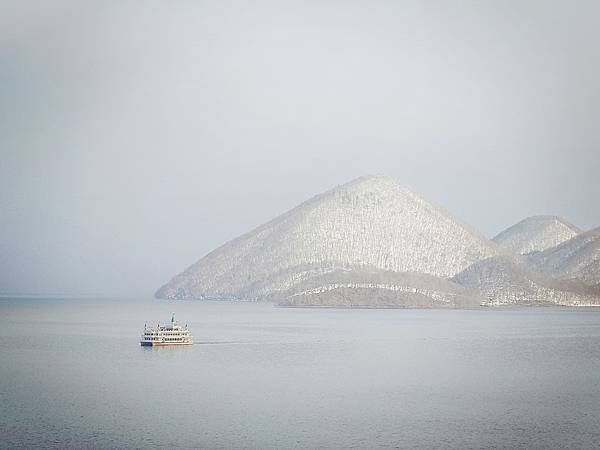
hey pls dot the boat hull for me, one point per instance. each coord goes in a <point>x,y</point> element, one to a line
<point>163,344</point>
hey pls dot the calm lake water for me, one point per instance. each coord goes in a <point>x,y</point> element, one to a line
<point>73,374</point>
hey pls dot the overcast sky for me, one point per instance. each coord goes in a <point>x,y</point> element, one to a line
<point>137,136</point>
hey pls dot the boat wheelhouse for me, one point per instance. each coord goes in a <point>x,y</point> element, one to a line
<point>170,334</point>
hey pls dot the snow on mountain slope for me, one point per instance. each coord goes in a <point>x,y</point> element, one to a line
<point>371,222</point>
<point>577,258</point>
<point>506,280</point>
<point>369,288</point>
<point>535,233</point>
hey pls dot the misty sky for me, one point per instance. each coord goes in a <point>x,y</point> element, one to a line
<point>137,136</point>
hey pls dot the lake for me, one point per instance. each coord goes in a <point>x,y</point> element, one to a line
<point>74,375</point>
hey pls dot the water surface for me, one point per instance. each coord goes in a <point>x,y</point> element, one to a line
<point>73,374</point>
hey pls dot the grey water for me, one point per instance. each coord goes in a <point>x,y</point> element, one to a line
<point>73,375</point>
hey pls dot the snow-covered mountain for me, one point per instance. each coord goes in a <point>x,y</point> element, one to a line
<point>577,258</point>
<point>371,222</point>
<point>508,280</point>
<point>535,233</point>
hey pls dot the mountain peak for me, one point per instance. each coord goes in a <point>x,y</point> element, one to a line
<point>371,221</point>
<point>370,183</point>
<point>535,233</point>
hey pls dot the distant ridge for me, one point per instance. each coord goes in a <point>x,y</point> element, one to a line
<point>578,258</point>
<point>371,288</point>
<point>535,233</point>
<point>371,222</point>
<point>508,280</point>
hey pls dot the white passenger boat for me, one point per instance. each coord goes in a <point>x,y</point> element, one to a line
<point>171,334</point>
